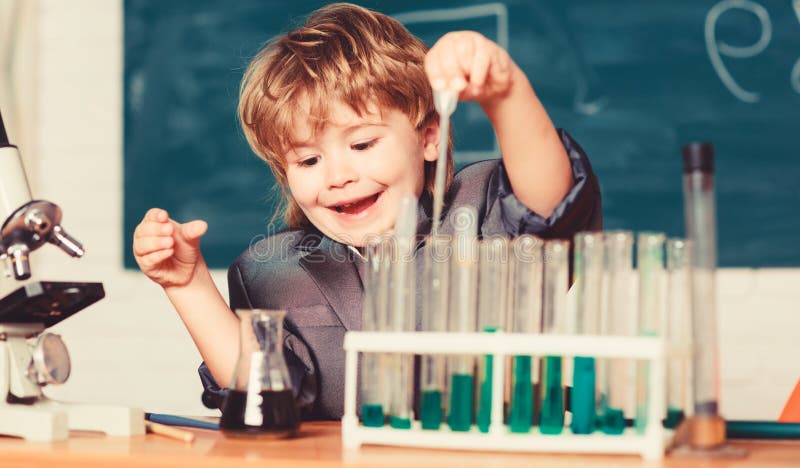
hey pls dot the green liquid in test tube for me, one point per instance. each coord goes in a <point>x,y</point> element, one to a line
<point>435,272</point>
<point>526,317</point>
<point>589,263</point>
<point>650,263</point>
<point>493,272</point>
<point>374,319</point>
<point>402,311</point>
<point>463,315</point>
<point>554,296</point>
<point>617,380</point>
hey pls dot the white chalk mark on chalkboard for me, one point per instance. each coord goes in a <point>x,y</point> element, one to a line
<point>444,15</point>
<point>717,49</point>
<point>455,14</point>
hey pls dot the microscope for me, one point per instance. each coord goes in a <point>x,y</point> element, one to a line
<point>31,357</point>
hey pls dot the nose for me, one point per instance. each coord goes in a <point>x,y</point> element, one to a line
<point>340,171</point>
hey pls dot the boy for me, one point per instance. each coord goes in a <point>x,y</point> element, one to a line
<point>341,109</point>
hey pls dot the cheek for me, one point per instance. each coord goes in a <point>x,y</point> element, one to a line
<point>301,188</point>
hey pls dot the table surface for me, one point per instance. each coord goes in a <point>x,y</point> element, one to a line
<point>319,445</point>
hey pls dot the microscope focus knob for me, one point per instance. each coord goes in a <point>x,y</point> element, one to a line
<point>50,364</point>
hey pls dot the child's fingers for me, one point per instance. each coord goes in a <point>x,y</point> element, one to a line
<point>156,214</point>
<point>479,68</point>
<point>147,245</point>
<point>149,228</point>
<point>194,229</point>
<point>152,259</point>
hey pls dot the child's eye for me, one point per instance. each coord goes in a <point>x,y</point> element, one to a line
<point>308,162</point>
<point>364,146</point>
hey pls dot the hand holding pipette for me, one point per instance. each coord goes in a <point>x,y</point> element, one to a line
<point>462,65</point>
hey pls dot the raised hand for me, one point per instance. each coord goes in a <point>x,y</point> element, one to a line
<point>468,62</point>
<point>167,251</point>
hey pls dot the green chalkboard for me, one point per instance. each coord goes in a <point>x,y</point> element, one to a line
<point>631,80</point>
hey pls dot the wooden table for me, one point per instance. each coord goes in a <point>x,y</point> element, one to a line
<point>319,445</point>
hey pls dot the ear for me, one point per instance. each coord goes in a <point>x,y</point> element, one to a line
<point>430,141</point>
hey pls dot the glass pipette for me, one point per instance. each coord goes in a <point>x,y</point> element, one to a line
<point>445,102</point>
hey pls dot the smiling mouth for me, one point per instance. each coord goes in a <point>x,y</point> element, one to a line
<point>357,206</point>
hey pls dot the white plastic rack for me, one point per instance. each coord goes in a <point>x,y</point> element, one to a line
<point>650,444</point>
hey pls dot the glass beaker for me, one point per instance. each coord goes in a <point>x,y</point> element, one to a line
<point>260,400</point>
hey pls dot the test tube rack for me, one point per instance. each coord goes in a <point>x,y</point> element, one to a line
<point>650,444</point>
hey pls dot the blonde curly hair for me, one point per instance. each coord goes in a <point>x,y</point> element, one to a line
<point>343,52</point>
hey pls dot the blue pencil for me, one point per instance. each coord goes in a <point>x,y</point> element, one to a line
<point>172,420</point>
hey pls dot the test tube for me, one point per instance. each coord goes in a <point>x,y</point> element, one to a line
<point>650,263</point>
<point>619,378</point>
<point>436,269</point>
<point>402,318</point>
<point>708,427</point>
<point>588,275</point>
<point>463,315</point>
<point>374,319</point>
<point>556,279</point>
<point>679,330</point>
<point>492,306</point>
<point>526,318</point>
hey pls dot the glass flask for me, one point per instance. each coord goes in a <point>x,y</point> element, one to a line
<point>260,400</point>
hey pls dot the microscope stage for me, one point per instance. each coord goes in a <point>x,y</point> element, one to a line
<point>48,302</point>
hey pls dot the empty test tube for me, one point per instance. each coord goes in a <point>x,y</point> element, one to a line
<point>588,274</point>
<point>374,319</point>
<point>463,315</point>
<point>679,330</point>
<point>492,303</point>
<point>436,277</point>
<point>526,317</point>
<point>650,263</point>
<point>618,379</point>
<point>402,313</point>
<point>554,295</point>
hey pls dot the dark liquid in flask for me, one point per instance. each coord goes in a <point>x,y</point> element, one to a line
<point>279,416</point>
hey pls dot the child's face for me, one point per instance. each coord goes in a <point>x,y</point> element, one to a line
<point>349,177</point>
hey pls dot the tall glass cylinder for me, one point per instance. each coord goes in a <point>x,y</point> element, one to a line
<point>679,330</point>
<point>585,400</point>
<point>618,382</point>
<point>493,269</point>
<point>554,299</point>
<point>650,265</point>
<point>463,315</point>
<point>701,224</point>
<point>526,317</point>
<point>436,278</point>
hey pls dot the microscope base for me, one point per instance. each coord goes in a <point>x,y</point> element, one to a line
<point>48,420</point>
